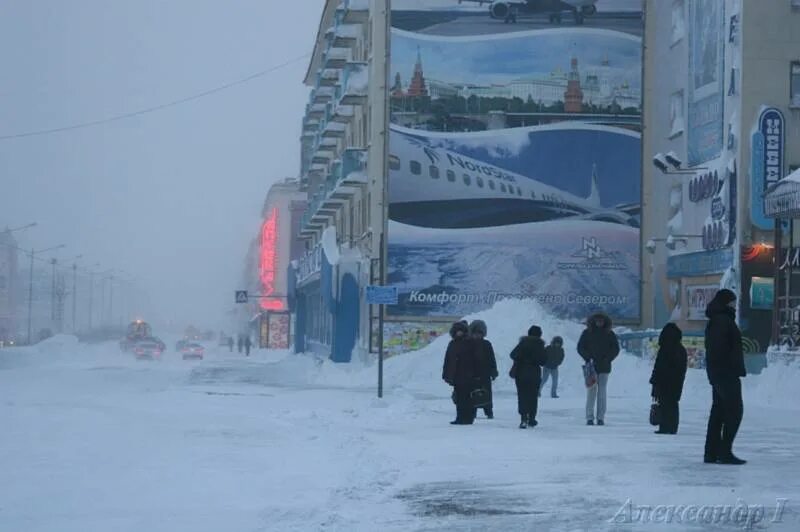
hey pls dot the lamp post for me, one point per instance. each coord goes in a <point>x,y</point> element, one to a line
<point>75,291</point>
<point>30,285</point>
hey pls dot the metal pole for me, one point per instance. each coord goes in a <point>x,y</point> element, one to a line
<point>111,299</point>
<point>53,295</point>
<point>74,295</point>
<point>102,301</point>
<point>385,183</point>
<point>30,297</point>
<point>91,297</point>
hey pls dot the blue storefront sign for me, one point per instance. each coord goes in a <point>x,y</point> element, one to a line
<point>768,144</point>
<point>381,295</point>
<point>700,263</point>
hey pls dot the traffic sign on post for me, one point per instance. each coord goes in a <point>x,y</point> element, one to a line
<point>381,295</point>
<point>241,296</point>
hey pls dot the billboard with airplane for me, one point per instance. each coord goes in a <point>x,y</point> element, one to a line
<point>515,164</point>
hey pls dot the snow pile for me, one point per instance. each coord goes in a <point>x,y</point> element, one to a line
<point>775,386</point>
<point>55,349</point>
<point>330,246</point>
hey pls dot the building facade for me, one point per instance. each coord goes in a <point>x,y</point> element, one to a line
<point>341,168</point>
<point>267,274</point>
<point>721,126</point>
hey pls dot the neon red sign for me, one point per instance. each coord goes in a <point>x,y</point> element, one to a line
<point>268,263</point>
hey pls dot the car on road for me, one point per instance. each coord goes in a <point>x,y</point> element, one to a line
<point>192,350</point>
<point>147,350</point>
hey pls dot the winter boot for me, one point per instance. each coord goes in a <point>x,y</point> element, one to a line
<point>732,459</point>
<point>600,422</point>
<point>590,421</point>
<point>523,424</point>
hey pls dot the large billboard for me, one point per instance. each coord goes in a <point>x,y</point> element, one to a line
<point>515,156</point>
<point>706,80</point>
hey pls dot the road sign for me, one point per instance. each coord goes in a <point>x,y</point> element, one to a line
<point>241,296</point>
<point>381,295</point>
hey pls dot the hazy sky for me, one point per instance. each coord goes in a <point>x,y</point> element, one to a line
<point>171,197</point>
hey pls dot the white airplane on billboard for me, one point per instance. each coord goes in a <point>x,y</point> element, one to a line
<point>508,10</point>
<point>439,188</point>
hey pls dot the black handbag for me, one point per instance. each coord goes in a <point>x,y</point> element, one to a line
<point>479,397</point>
<point>655,413</point>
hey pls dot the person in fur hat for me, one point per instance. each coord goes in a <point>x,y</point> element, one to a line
<point>461,371</point>
<point>487,363</point>
<point>529,356</point>
<point>598,344</point>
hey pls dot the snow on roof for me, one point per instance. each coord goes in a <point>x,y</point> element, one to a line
<point>357,79</point>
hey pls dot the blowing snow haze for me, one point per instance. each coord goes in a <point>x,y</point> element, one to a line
<point>172,197</point>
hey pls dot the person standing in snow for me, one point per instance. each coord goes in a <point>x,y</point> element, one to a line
<point>598,344</point>
<point>230,344</point>
<point>529,356</point>
<point>487,363</point>
<point>669,372</point>
<point>555,356</point>
<point>240,343</point>
<point>461,371</point>
<point>724,367</point>
<point>247,345</point>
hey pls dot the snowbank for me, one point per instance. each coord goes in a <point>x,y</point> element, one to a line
<point>55,348</point>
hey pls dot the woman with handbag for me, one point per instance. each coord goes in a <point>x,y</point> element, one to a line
<point>486,361</point>
<point>461,371</point>
<point>669,373</point>
<point>529,356</point>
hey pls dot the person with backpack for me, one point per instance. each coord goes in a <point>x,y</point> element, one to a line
<point>461,371</point>
<point>487,363</point>
<point>555,357</point>
<point>669,373</point>
<point>725,368</point>
<point>529,356</point>
<point>598,346</point>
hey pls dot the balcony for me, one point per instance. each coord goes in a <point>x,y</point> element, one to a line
<point>354,84</point>
<point>353,11</point>
<point>334,130</point>
<point>322,95</point>
<point>328,78</point>
<point>315,111</point>
<point>335,59</point>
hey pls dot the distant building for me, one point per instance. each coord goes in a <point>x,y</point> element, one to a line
<point>417,87</point>
<point>9,287</point>
<point>573,96</point>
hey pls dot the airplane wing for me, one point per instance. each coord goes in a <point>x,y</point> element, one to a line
<point>632,209</point>
<point>609,216</point>
<point>481,2</point>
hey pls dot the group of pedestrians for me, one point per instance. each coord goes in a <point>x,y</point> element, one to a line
<point>470,366</point>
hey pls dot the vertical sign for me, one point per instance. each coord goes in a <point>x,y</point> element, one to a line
<point>706,80</point>
<point>767,162</point>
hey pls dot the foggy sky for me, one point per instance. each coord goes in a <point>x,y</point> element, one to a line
<point>174,197</point>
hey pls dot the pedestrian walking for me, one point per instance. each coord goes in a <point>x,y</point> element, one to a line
<point>669,373</point>
<point>599,345</point>
<point>247,345</point>
<point>555,357</point>
<point>230,344</point>
<point>529,356</point>
<point>725,368</point>
<point>240,344</point>
<point>461,371</point>
<point>487,363</point>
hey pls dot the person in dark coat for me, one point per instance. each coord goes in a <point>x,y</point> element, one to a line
<point>669,372</point>
<point>247,345</point>
<point>230,344</point>
<point>461,371</point>
<point>598,344</point>
<point>240,343</point>
<point>487,363</point>
<point>725,367</point>
<point>555,356</point>
<point>529,356</point>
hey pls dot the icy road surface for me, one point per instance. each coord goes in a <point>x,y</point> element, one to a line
<point>95,441</point>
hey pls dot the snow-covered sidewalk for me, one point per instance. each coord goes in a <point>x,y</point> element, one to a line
<point>94,441</point>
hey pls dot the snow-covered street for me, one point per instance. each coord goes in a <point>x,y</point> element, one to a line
<point>95,441</point>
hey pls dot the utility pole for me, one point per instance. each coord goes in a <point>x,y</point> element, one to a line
<point>30,286</point>
<point>74,296</point>
<point>91,297</point>
<point>53,294</point>
<point>111,299</point>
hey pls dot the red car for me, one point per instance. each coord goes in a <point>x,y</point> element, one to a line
<point>192,350</point>
<point>147,350</point>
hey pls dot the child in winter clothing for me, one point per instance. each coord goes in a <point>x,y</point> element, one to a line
<point>529,356</point>
<point>669,372</point>
<point>555,356</point>
<point>487,363</point>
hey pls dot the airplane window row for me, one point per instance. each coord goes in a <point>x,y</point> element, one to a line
<point>433,171</point>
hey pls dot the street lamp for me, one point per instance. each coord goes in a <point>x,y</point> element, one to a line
<point>74,289</point>
<point>22,227</point>
<point>670,242</point>
<point>91,293</point>
<point>671,164</point>
<point>30,285</point>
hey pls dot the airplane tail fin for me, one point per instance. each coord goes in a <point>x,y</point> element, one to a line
<point>594,195</point>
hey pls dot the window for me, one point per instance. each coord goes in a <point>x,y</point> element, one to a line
<point>433,171</point>
<point>676,114</point>
<point>416,168</point>
<point>678,21</point>
<point>451,176</point>
<point>502,187</point>
<point>795,85</point>
<point>491,184</point>
<point>479,181</point>
<point>467,180</point>
<point>394,162</point>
